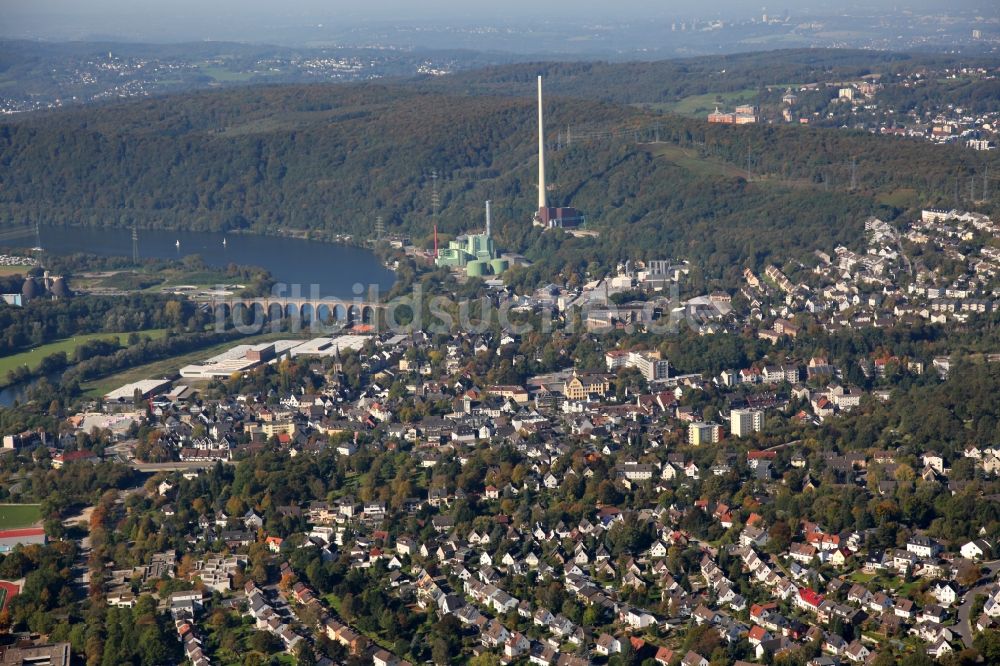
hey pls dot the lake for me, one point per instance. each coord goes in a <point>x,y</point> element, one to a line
<point>335,268</point>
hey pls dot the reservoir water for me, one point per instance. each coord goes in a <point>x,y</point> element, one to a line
<point>335,268</point>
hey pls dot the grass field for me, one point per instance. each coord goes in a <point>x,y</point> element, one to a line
<point>701,105</point>
<point>901,198</point>
<point>170,366</point>
<point>16,269</point>
<point>689,160</point>
<point>14,516</point>
<point>33,357</point>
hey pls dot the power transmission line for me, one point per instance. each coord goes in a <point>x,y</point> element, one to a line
<point>16,233</point>
<point>435,196</point>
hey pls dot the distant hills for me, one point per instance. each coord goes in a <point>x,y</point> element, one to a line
<point>40,75</point>
<point>329,158</point>
<point>670,80</point>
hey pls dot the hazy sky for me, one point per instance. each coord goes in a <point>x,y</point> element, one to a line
<point>172,20</point>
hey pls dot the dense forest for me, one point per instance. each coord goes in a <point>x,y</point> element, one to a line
<point>332,158</point>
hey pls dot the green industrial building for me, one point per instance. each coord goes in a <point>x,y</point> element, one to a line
<point>473,252</point>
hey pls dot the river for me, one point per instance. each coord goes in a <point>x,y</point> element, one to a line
<point>335,268</point>
<point>19,392</point>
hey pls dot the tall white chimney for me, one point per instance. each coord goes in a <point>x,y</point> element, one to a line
<point>487,218</point>
<point>541,150</point>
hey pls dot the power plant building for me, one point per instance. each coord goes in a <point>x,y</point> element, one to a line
<point>473,252</point>
<point>551,217</point>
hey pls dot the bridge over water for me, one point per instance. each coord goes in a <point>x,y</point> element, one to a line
<point>306,310</point>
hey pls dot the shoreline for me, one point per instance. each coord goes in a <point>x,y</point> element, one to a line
<point>346,240</point>
<point>313,236</point>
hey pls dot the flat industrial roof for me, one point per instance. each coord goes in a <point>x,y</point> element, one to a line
<point>235,359</point>
<point>146,386</point>
<point>330,346</point>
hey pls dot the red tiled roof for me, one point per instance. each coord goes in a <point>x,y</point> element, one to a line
<point>70,456</point>
<point>761,455</point>
<point>810,597</point>
<point>23,532</point>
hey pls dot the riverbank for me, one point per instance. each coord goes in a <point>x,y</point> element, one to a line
<point>33,358</point>
<point>293,259</point>
<point>312,235</point>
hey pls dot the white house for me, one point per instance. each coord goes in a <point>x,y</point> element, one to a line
<point>945,593</point>
<point>607,644</point>
<point>975,549</point>
<point>922,546</point>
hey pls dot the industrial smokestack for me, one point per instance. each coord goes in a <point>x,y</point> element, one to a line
<point>541,151</point>
<point>487,218</point>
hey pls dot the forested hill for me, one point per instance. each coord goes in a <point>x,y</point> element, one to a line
<point>671,80</point>
<point>332,158</point>
<point>327,157</point>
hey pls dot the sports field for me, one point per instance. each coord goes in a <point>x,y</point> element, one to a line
<point>13,516</point>
<point>8,591</point>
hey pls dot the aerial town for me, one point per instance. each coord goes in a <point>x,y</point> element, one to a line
<point>881,104</point>
<point>624,512</point>
<point>326,339</point>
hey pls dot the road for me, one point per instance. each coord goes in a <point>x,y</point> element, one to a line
<point>80,566</point>
<point>705,546</point>
<point>964,626</point>
<point>175,466</point>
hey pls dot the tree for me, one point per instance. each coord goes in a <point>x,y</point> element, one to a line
<point>441,651</point>
<point>349,606</point>
<point>154,649</point>
<point>447,643</point>
<point>264,642</point>
<point>173,311</point>
<point>780,536</point>
<point>968,574</point>
<point>988,644</point>
<point>591,616</point>
<point>254,659</point>
<point>287,580</point>
<point>304,654</point>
